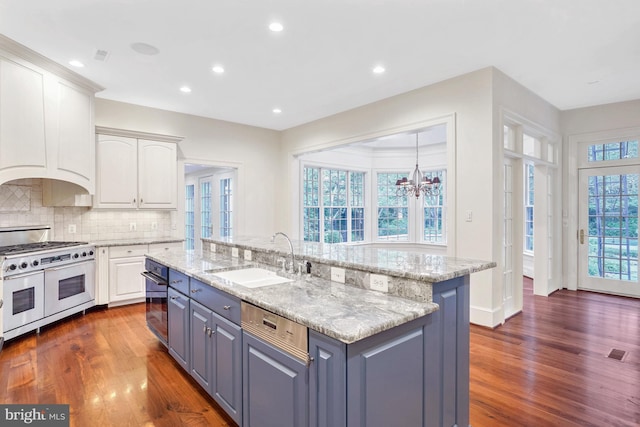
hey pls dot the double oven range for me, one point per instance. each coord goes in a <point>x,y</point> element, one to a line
<point>42,281</point>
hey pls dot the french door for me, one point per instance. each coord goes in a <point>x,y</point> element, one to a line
<point>608,230</point>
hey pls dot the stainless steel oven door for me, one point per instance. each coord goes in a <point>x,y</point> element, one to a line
<point>68,286</point>
<point>23,298</point>
<point>156,305</point>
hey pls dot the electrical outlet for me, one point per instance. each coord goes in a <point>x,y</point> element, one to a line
<point>247,255</point>
<point>132,226</point>
<point>379,282</point>
<point>154,225</point>
<point>337,274</point>
<point>212,248</point>
<point>469,216</point>
<point>72,229</point>
<point>234,252</point>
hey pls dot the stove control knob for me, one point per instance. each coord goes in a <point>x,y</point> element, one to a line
<point>76,255</point>
<point>13,267</point>
<point>84,254</point>
<point>90,253</point>
<point>24,265</point>
<point>35,263</point>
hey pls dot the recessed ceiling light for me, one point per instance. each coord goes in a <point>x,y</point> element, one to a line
<point>277,111</point>
<point>276,27</point>
<point>76,63</point>
<point>218,69</point>
<point>185,89</point>
<point>144,48</point>
<point>378,69</point>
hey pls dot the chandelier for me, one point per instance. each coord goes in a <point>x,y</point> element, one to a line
<point>418,184</point>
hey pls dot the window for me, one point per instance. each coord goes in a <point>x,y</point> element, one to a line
<point>613,151</point>
<point>205,208</point>
<point>189,217</point>
<point>333,205</point>
<point>434,212</point>
<point>226,208</point>
<point>529,172</point>
<point>393,210</point>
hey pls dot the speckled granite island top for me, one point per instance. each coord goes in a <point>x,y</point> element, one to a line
<point>409,264</point>
<point>343,312</point>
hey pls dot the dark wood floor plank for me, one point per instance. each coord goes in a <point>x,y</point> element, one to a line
<point>546,366</point>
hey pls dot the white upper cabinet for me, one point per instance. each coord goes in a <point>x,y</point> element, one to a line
<point>157,174</point>
<point>46,119</point>
<point>136,173</point>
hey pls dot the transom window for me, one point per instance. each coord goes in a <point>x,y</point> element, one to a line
<point>613,151</point>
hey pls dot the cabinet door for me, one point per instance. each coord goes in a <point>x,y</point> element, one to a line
<point>117,172</point>
<point>201,345</point>
<point>275,386</point>
<point>125,279</point>
<point>75,140</point>
<point>179,330</point>
<point>157,174</point>
<point>385,377</point>
<point>22,122</point>
<point>226,384</point>
<point>327,382</point>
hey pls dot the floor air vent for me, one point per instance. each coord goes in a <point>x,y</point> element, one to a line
<point>617,354</point>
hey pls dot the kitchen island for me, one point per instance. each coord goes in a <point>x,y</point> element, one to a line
<point>399,357</point>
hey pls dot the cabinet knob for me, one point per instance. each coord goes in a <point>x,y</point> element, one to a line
<point>227,307</point>
<point>174,298</point>
<point>134,201</point>
<point>204,329</point>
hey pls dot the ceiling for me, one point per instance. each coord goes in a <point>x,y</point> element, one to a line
<point>571,53</point>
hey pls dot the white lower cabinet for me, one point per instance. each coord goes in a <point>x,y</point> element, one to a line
<point>126,283</point>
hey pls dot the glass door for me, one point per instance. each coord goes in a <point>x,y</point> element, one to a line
<point>608,230</point>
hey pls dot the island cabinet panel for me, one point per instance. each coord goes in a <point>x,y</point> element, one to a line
<point>386,379</point>
<point>447,356</point>
<point>179,327</point>
<point>327,382</point>
<point>216,358</point>
<point>275,386</point>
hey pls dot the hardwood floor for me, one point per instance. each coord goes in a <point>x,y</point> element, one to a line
<point>548,365</point>
<point>545,367</point>
<point>111,371</point>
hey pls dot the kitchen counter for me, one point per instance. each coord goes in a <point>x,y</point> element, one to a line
<point>138,241</point>
<point>417,265</point>
<point>340,311</point>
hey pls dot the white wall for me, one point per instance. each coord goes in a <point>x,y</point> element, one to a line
<point>253,151</point>
<point>468,98</point>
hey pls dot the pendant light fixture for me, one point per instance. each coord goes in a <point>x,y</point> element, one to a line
<point>418,184</point>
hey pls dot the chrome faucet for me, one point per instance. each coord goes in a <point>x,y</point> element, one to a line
<point>293,260</point>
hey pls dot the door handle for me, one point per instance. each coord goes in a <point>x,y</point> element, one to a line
<point>582,236</point>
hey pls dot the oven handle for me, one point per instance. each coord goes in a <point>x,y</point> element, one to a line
<point>155,279</point>
<point>20,276</point>
<point>63,267</point>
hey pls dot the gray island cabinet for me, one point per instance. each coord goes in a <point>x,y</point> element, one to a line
<point>395,358</point>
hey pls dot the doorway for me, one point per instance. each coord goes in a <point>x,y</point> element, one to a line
<point>209,203</point>
<point>608,230</point>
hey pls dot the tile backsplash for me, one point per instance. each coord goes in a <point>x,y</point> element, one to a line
<point>21,204</point>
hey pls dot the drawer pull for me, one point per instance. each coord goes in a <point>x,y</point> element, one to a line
<point>227,307</point>
<point>176,281</point>
<point>174,298</point>
<point>204,329</point>
<point>193,291</point>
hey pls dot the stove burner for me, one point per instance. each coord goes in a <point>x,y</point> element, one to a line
<point>34,247</point>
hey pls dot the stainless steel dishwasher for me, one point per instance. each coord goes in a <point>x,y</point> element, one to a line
<point>285,334</point>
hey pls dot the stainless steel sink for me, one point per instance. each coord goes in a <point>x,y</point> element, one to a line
<point>252,277</point>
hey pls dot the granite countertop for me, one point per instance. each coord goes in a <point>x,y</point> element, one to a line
<point>343,312</point>
<point>409,264</point>
<point>136,241</point>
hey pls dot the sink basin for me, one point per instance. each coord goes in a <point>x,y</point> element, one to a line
<point>253,277</point>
